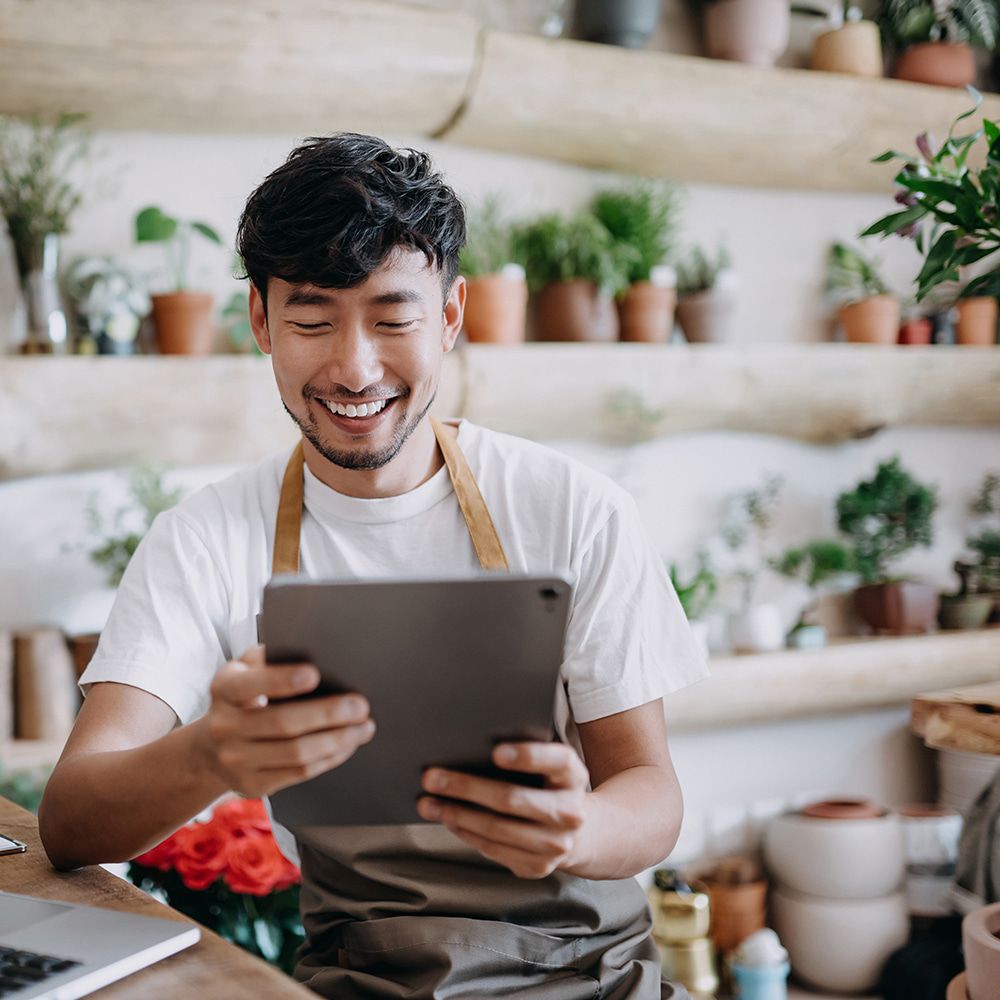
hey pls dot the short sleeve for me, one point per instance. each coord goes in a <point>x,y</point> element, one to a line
<point>628,640</point>
<point>167,630</point>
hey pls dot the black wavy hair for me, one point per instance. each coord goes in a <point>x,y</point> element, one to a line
<point>339,205</point>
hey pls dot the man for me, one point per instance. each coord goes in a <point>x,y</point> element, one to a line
<point>352,249</point>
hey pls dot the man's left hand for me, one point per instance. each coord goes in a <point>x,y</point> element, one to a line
<point>531,831</point>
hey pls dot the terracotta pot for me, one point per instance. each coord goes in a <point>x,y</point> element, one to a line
<point>916,332</point>
<point>971,611</point>
<point>856,49</point>
<point>83,648</point>
<point>575,311</point>
<point>977,321</point>
<point>747,31</point>
<point>981,948</point>
<point>705,317</point>
<point>646,313</point>
<point>943,64</point>
<point>958,988</point>
<point>183,323</point>
<point>496,309</point>
<point>737,911</point>
<point>874,320</point>
<point>843,809</point>
<point>901,608</point>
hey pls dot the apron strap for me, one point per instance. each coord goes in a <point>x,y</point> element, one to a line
<point>288,523</point>
<point>482,530</point>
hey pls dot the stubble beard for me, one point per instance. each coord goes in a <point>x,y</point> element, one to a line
<point>359,459</point>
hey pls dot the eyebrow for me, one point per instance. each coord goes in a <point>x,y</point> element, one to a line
<point>315,297</point>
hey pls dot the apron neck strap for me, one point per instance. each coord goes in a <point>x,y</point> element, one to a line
<point>482,531</point>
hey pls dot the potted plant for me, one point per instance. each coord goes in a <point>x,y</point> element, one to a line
<point>110,302</point>
<point>934,38</point>
<point>643,217</point>
<point>868,313</point>
<point>628,23</point>
<point>916,328</point>
<point>575,267</point>
<point>497,291</point>
<point>747,31</point>
<point>183,319</point>
<point>814,564</point>
<point>883,518</point>
<point>980,572</point>
<point>849,44</point>
<point>37,201</point>
<point>704,296</point>
<point>696,595</point>
<point>756,627</point>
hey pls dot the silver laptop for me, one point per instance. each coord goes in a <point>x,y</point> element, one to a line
<point>60,950</point>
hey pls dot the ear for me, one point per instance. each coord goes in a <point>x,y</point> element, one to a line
<point>454,310</point>
<point>258,320</point>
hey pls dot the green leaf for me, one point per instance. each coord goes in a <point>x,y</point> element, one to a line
<point>939,254</point>
<point>941,190</point>
<point>893,154</point>
<point>152,226</point>
<point>985,284</point>
<point>992,131</point>
<point>895,221</point>
<point>207,231</point>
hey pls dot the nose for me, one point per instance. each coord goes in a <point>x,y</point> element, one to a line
<point>355,363</point>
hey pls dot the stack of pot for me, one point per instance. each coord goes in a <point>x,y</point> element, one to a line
<point>838,905</point>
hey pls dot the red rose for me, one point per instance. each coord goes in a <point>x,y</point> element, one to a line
<point>200,857</point>
<point>257,867</point>
<point>242,817</point>
<point>161,857</point>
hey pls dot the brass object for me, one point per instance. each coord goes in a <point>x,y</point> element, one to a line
<point>681,920</point>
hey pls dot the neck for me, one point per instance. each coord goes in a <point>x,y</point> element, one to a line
<point>413,464</point>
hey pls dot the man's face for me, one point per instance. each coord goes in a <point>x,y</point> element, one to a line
<point>357,368</point>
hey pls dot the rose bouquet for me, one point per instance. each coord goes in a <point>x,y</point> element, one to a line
<point>228,874</point>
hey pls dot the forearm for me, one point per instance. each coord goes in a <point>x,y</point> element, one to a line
<point>633,821</point>
<point>110,806</point>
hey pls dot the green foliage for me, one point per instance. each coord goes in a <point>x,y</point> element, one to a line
<point>908,22</point>
<point>987,500</point>
<point>116,542</point>
<point>24,788</point>
<point>236,318</point>
<point>35,196</point>
<point>560,249</point>
<point>492,241</point>
<point>153,225</point>
<point>746,526</point>
<point>885,517</point>
<point>698,272</point>
<point>815,562</point>
<point>643,217</point>
<point>851,277</point>
<point>983,576</point>
<point>952,211</point>
<point>697,593</point>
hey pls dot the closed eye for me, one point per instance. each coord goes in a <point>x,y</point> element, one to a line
<point>405,325</point>
<point>310,326</point>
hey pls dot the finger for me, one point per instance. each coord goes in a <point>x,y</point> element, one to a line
<point>258,755</point>
<point>270,780</point>
<point>522,864</point>
<point>290,719</point>
<point>560,764</point>
<point>240,684</point>
<point>524,835</point>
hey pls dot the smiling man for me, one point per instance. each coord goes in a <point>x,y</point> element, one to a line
<point>351,249</point>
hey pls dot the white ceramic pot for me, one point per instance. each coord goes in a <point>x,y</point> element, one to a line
<point>981,947</point>
<point>840,945</point>
<point>757,630</point>
<point>962,776</point>
<point>836,858</point>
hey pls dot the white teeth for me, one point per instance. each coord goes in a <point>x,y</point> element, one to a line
<point>350,410</point>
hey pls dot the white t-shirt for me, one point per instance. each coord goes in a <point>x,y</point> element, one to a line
<point>191,594</point>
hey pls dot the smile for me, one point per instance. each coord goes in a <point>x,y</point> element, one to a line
<point>355,411</point>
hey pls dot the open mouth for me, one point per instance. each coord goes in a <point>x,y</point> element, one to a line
<point>358,418</point>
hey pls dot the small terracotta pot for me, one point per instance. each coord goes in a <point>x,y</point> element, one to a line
<point>747,31</point>
<point>977,321</point>
<point>971,611</point>
<point>874,320</point>
<point>900,608</point>
<point>916,332</point>
<point>843,809</point>
<point>575,311</point>
<point>855,48</point>
<point>943,64</point>
<point>495,309</point>
<point>705,317</point>
<point>646,313</point>
<point>737,911</point>
<point>183,322</point>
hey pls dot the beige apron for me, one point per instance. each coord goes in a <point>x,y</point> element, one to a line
<point>411,911</point>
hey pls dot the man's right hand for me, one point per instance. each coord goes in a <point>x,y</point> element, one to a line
<point>258,744</point>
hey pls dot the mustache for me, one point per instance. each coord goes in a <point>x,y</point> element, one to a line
<point>345,395</point>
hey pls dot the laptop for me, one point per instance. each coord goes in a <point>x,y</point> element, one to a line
<point>59,951</point>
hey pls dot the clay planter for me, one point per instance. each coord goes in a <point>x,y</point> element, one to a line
<point>971,611</point>
<point>495,309</point>
<point>916,332</point>
<point>183,322</point>
<point>739,901</point>
<point>900,608</point>
<point>981,948</point>
<point>943,64</point>
<point>855,49</point>
<point>646,313</point>
<point>575,311</point>
<point>747,31</point>
<point>843,809</point>
<point>977,321</point>
<point>705,317</point>
<point>874,320</point>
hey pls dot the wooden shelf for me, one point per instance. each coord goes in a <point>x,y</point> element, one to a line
<point>28,755</point>
<point>370,65</point>
<point>61,414</point>
<point>843,677</point>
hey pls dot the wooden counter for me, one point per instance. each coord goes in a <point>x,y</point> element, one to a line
<point>212,968</point>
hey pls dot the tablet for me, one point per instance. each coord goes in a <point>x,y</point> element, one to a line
<point>450,667</point>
